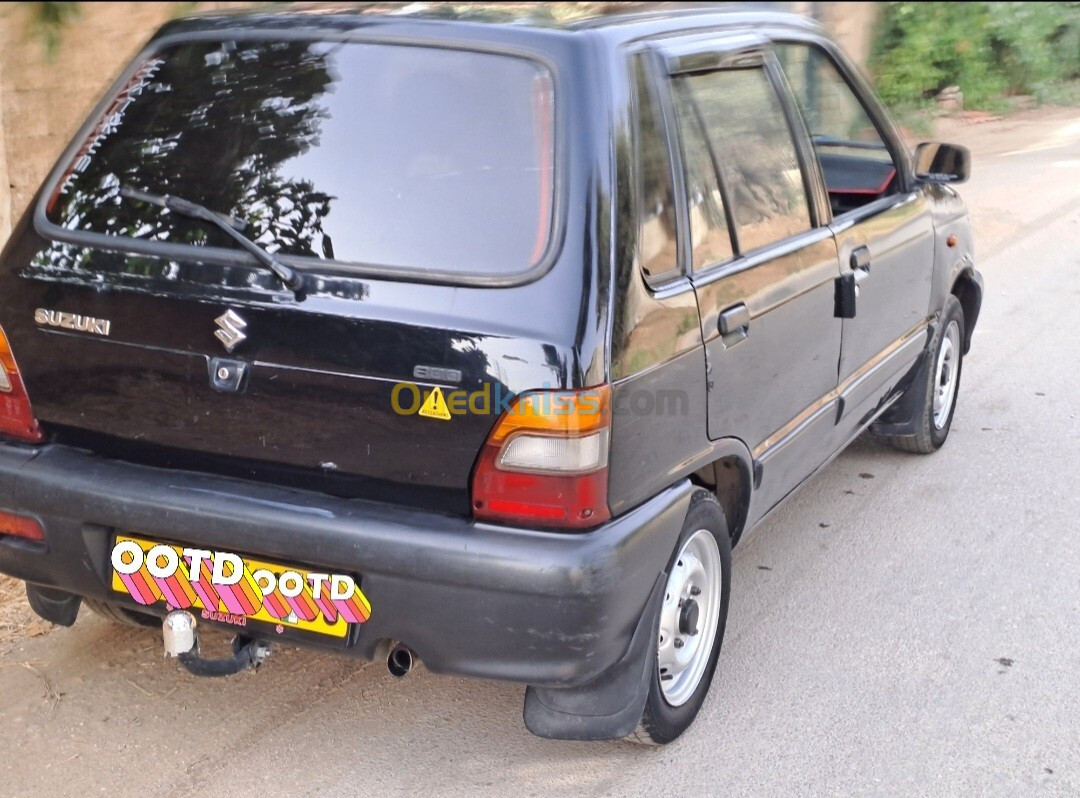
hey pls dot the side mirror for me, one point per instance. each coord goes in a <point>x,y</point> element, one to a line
<point>942,163</point>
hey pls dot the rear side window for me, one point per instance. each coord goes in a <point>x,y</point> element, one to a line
<point>416,158</point>
<point>749,135</point>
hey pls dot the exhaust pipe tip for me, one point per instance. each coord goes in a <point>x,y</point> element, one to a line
<point>400,661</point>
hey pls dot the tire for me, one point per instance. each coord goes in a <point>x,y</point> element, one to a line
<point>121,615</point>
<point>934,423</point>
<point>674,701</point>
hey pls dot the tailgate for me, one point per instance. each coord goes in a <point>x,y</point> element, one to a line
<point>400,181</point>
<point>316,395</point>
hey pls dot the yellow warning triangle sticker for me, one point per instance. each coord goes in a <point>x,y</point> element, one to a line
<point>435,406</point>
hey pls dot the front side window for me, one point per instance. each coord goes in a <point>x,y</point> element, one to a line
<point>748,134</point>
<point>408,157</point>
<point>855,161</point>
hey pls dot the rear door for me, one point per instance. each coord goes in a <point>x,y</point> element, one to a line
<point>763,263</point>
<point>883,227</point>
<point>403,182</point>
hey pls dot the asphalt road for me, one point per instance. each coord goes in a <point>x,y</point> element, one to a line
<point>905,625</point>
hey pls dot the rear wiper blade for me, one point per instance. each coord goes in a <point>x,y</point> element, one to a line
<point>229,225</point>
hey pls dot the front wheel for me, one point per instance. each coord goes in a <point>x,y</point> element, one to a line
<point>939,392</point>
<point>690,626</point>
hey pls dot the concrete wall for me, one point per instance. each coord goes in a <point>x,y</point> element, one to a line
<point>43,101</point>
<point>5,185</point>
<point>852,24</point>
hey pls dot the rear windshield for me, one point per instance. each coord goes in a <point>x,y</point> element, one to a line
<point>418,158</point>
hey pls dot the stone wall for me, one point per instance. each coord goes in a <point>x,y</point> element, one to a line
<point>43,101</point>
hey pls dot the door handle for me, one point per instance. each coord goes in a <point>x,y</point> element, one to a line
<point>860,266</point>
<point>847,284</point>
<point>860,259</point>
<point>858,277</point>
<point>734,324</point>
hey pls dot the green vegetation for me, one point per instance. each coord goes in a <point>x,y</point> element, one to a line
<point>990,50</point>
<point>49,19</point>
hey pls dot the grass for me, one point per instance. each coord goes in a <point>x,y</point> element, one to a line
<point>1066,92</point>
<point>917,120</point>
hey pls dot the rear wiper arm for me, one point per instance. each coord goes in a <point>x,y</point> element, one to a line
<point>229,225</point>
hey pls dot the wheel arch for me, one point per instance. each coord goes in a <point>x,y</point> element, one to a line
<point>967,288</point>
<point>730,477</point>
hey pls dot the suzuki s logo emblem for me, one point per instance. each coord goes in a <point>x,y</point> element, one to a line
<point>231,328</point>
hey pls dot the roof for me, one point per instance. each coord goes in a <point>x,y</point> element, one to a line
<point>627,20</point>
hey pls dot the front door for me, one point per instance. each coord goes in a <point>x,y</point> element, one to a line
<point>884,230</point>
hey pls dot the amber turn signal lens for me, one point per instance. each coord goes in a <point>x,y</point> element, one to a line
<point>16,416</point>
<point>556,413</point>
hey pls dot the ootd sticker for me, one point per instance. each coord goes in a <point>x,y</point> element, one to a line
<point>228,588</point>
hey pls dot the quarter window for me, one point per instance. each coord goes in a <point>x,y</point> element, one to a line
<point>657,240</point>
<point>751,142</point>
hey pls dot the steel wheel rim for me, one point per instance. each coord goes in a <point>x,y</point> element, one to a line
<point>946,373</point>
<point>696,576</point>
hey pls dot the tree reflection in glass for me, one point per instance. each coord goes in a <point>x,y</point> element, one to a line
<point>254,107</point>
<point>409,157</point>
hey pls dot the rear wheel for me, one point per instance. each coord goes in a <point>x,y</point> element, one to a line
<point>121,615</point>
<point>940,390</point>
<point>690,626</point>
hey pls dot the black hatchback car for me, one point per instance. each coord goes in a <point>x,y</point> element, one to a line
<point>481,343</point>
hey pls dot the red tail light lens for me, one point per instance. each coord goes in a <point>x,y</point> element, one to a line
<point>20,526</point>
<point>545,462</point>
<point>16,417</point>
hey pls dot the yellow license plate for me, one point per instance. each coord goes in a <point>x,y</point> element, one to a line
<point>230,588</point>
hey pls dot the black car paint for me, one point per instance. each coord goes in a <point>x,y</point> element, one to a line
<point>398,504</point>
<point>355,334</point>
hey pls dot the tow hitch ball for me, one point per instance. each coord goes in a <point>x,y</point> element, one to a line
<point>181,638</point>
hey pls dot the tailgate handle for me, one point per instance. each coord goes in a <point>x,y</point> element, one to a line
<point>735,324</point>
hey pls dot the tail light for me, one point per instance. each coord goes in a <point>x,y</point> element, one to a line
<point>16,417</point>
<point>546,461</point>
<point>20,526</point>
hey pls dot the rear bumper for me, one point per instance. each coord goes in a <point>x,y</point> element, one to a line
<point>543,608</point>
